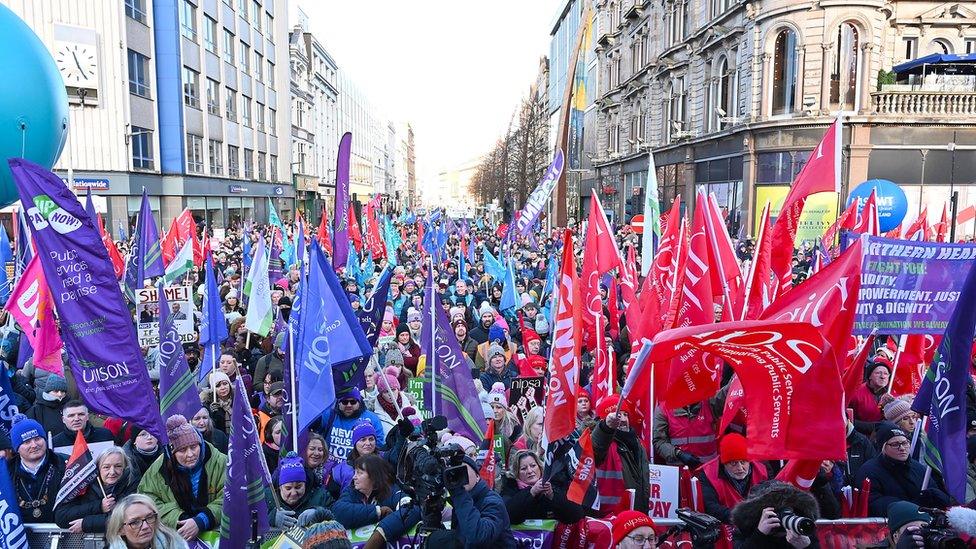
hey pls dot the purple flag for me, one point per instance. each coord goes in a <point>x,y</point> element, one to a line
<point>455,397</point>
<point>537,200</point>
<point>275,267</point>
<point>247,475</point>
<point>340,222</point>
<point>146,258</point>
<point>177,390</point>
<point>96,326</point>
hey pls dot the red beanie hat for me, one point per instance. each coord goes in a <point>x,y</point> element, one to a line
<point>529,335</point>
<point>608,405</point>
<point>628,521</point>
<point>581,393</point>
<point>732,447</point>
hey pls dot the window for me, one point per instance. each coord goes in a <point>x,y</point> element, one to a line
<point>245,58</point>
<point>273,168</point>
<point>233,156</point>
<point>246,110</point>
<point>210,34</point>
<point>637,53</point>
<point>256,13</point>
<point>188,20</point>
<point>911,48</point>
<point>258,66</point>
<point>248,164</point>
<point>214,149</point>
<point>194,153</point>
<point>271,69</point>
<point>637,134</point>
<point>970,45</point>
<point>299,115</point>
<point>231,104</point>
<point>273,122</point>
<point>302,152</point>
<point>260,114</point>
<point>269,26</point>
<point>677,107</point>
<point>191,88</point>
<point>136,9</point>
<point>213,97</point>
<point>677,18</point>
<point>142,148</point>
<point>228,46</point>
<point>843,77</point>
<point>138,74</point>
<point>941,46</point>
<point>262,174</point>
<point>242,8</point>
<point>784,72</point>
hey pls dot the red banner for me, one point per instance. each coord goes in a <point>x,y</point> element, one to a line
<point>564,366</point>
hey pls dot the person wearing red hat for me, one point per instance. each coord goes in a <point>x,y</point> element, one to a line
<point>726,480</point>
<point>621,462</point>
<point>633,530</point>
<point>869,399</point>
<point>585,416</point>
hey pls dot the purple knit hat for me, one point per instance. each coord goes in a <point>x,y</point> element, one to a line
<point>291,469</point>
<point>363,430</point>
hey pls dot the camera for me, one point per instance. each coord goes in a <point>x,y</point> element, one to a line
<point>703,529</point>
<point>792,522</point>
<point>938,534</point>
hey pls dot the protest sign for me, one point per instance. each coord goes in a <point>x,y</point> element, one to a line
<point>663,501</point>
<point>416,388</point>
<point>147,314</point>
<point>526,393</point>
<point>910,287</point>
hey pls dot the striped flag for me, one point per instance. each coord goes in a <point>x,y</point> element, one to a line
<point>79,471</point>
<point>177,390</point>
<point>257,287</point>
<point>181,264</point>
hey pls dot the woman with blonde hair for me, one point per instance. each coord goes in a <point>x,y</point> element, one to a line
<point>135,524</point>
<point>89,510</point>
<point>531,438</point>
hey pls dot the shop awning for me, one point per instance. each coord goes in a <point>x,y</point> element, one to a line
<point>936,59</point>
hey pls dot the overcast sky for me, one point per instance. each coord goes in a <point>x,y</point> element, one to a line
<point>454,69</point>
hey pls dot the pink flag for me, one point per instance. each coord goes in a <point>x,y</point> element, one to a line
<point>33,309</point>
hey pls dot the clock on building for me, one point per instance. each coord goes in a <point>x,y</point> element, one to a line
<point>78,64</point>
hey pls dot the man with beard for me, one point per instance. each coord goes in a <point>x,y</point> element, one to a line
<point>486,318</point>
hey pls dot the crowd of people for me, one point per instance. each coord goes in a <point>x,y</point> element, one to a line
<point>147,494</point>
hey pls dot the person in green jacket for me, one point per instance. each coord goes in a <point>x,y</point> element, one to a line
<point>299,502</point>
<point>186,482</point>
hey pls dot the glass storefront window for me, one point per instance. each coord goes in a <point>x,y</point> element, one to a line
<point>134,203</point>
<point>215,212</point>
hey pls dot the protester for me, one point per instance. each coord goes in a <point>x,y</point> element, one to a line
<point>338,423</point>
<point>35,471</point>
<point>141,450</point>
<point>135,524</point>
<point>528,496</point>
<point>687,435</point>
<point>302,504</point>
<point>219,399</point>
<point>633,530</point>
<point>272,434</point>
<point>621,462</point>
<point>74,415</point>
<point>727,479</point>
<point>89,511</point>
<point>48,404</point>
<point>202,422</point>
<point>867,401</point>
<point>371,496</point>
<point>363,444</point>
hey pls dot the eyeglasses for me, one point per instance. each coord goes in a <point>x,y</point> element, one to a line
<point>641,540</point>
<point>136,524</point>
<point>348,401</point>
<point>897,445</point>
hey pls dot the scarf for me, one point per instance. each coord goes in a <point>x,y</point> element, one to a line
<point>389,407</point>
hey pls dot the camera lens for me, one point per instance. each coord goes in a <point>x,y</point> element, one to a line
<point>802,526</point>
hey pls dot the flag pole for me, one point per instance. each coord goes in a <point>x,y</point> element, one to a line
<point>431,358</point>
<point>293,389</point>
<point>902,340</point>
<point>752,264</point>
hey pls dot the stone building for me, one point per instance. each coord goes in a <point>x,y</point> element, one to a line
<point>732,95</point>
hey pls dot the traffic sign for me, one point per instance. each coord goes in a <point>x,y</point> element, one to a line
<point>637,223</point>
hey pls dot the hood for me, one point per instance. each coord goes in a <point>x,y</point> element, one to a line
<point>775,494</point>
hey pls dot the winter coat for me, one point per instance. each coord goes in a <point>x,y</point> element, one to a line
<point>522,505</point>
<point>268,363</point>
<point>489,378</point>
<point>859,450</point>
<point>314,498</point>
<point>48,476</point>
<point>355,510</point>
<point>337,430</point>
<point>88,506</point>
<point>866,407</point>
<point>207,507</point>
<point>91,434</point>
<point>480,518</point>
<point>387,422</point>
<point>893,481</point>
<point>632,456</point>
<point>778,495</point>
<point>141,461</point>
<point>48,414</point>
<point>721,507</point>
<point>220,410</point>
<point>217,438</point>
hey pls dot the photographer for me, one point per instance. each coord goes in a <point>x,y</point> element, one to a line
<point>767,518</point>
<point>904,521</point>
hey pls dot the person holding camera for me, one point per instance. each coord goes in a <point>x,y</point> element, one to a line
<point>904,523</point>
<point>776,514</point>
<point>727,480</point>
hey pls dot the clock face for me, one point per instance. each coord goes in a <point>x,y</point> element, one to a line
<point>77,63</point>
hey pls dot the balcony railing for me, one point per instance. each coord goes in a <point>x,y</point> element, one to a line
<point>924,103</point>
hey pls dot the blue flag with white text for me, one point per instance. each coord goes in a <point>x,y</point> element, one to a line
<point>13,533</point>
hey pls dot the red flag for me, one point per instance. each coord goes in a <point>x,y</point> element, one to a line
<point>789,374</point>
<point>820,174</point>
<point>583,476</point>
<point>919,229</point>
<point>355,234</point>
<point>420,237</point>
<point>911,363</point>
<point>660,287</point>
<point>628,287</point>
<point>600,379</point>
<point>374,240</point>
<point>734,409</point>
<point>867,221</point>
<point>942,229</point>
<point>600,255</point>
<point>800,472</point>
<point>760,285</point>
<point>118,262</point>
<point>845,221</point>
<point>171,242</point>
<point>205,251</point>
<point>487,472</point>
<point>614,309</point>
<point>325,240</point>
<point>79,471</point>
<point>854,373</point>
<point>560,418</point>
<point>828,300</point>
<point>894,233</point>
<point>723,265</point>
<point>502,230</point>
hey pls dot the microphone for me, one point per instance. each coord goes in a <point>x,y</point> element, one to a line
<point>962,520</point>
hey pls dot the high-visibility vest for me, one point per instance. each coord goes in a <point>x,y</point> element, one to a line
<point>694,434</point>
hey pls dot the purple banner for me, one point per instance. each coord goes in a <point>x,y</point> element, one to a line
<point>340,222</point>
<point>537,200</point>
<point>96,326</point>
<point>910,287</point>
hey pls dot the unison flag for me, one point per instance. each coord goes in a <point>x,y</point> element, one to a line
<point>370,315</point>
<point>213,323</point>
<point>247,475</point>
<point>537,200</point>
<point>147,257</point>
<point>13,533</point>
<point>8,404</point>
<point>942,396</point>
<point>79,471</point>
<point>340,219</point>
<point>177,390</point>
<point>257,287</point>
<point>510,296</point>
<point>95,323</point>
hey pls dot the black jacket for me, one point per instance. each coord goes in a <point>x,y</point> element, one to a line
<point>859,451</point>
<point>218,438</point>
<point>633,458</point>
<point>893,481</point>
<point>91,434</point>
<point>29,487</point>
<point>778,495</point>
<point>88,506</point>
<point>522,506</point>
<point>48,414</point>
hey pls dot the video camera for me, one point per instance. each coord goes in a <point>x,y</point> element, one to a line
<point>703,529</point>
<point>938,533</point>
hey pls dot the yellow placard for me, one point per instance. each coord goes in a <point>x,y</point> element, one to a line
<point>819,212</point>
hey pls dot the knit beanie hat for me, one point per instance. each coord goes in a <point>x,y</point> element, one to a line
<point>496,333</point>
<point>24,429</point>
<point>456,312</point>
<point>486,309</point>
<point>497,394</point>
<point>581,393</point>
<point>541,325</point>
<point>464,443</point>
<point>530,335</point>
<point>887,431</point>
<point>495,349</point>
<point>732,447</point>
<point>388,381</point>
<point>291,469</point>
<point>388,314</point>
<point>881,361</point>
<point>901,513</point>
<point>217,376</point>
<point>413,314</point>
<point>402,329</point>
<point>55,382</point>
<point>361,431</point>
<point>180,433</point>
<point>608,405</point>
<point>628,521</point>
<point>394,357</point>
<point>897,409</point>
<point>327,535</point>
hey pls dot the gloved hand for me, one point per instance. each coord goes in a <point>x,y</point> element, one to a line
<point>308,516</point>
<point>404,427</point>
<point>688,459</point>
<point>284,519</point>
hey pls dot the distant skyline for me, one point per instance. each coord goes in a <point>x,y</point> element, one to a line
<point>455,70</point>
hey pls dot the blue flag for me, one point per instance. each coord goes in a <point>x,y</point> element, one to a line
<point>13,533</point>
<point>368,269</point>
<point>552,271</point>
<point>352,266</point>
<point>213,324</point>
<point>122,235</point>
<point>6,256</point>
<point>8,403</point>
<point>494,267</point>
<point>471,251</point>
<point>248,255</point>
<point>301,250</point>
<point>942,396</point>
<point>510,297</point>
<point>247,475</point>
<point>25,251</point>
<point>370,315</point>
<point>177,389</point>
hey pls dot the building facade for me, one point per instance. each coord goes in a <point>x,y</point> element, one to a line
<point>186,98</point>
<point>732,96</point>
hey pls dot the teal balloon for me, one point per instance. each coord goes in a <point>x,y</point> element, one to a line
<point>33,102</point>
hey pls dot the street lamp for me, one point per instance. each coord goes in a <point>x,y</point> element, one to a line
<point>953,196</point>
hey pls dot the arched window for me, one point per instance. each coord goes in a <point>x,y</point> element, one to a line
<point>844,75</point>
<point>940,45</point>
<point>726,89</point>
<point>784,72</point>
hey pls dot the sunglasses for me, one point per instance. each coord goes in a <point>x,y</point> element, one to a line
<point>348,401</point>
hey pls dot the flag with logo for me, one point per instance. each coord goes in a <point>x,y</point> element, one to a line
<point>560,420</point>
<point>177,389</point>
<point>8,404</point>
<point>585,470</point>
<point>257,287</point>
<point>247,476</point>
<point>341,218</point>
<point>487,472</point>
<point>79,471</point>
<point>32,307</point>
<point>146,258</point>
<point>13,532</point>
<point>370,315</point>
